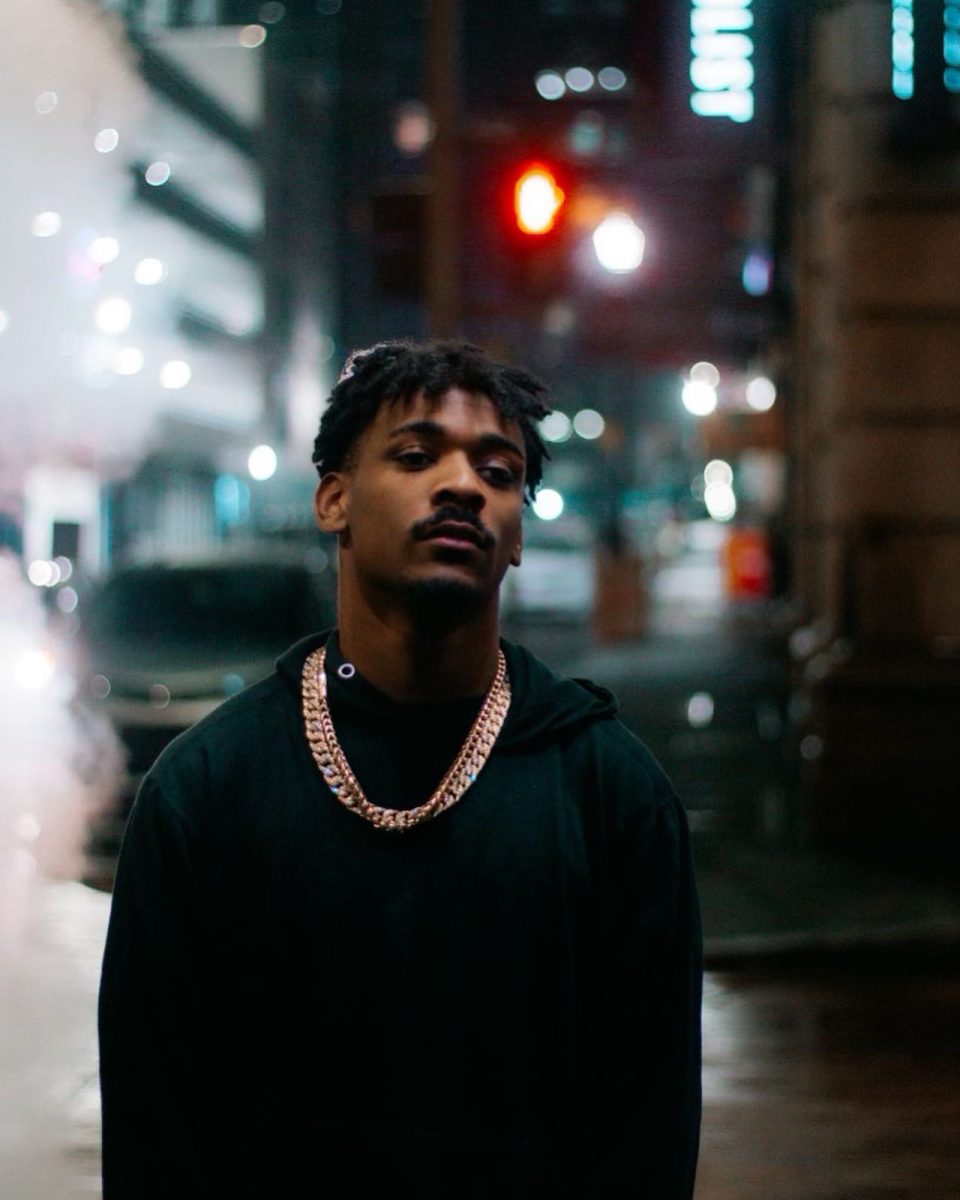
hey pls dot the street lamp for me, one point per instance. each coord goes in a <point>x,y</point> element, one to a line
<point>262,463</point>
<point>619,243</point>
<point>699,398</point>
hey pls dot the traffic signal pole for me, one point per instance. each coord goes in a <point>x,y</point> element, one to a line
<point>443,200</point>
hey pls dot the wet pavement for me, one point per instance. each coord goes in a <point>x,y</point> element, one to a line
<point>832,1083</point>
<point>824,1079</point>
<point>50,952</point>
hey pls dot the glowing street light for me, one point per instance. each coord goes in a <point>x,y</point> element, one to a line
<point>113,315</point>
<point>619,243</point>
<point>720,500</point>
<point>761,394</point>
<point>548,504</point>
<point>175,374</point>
<point>718,471</point>
<point>588,424</point>
<point>557,427</point>
<point>699,398</point>
<point>262,463</point>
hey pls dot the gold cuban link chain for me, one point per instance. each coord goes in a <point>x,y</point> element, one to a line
<point>336,772</point>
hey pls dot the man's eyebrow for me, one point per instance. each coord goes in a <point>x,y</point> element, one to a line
<point>492,441</point>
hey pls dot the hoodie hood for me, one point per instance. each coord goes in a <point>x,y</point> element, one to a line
<point>543,704</point>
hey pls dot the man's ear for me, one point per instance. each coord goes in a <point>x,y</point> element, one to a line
<point>330,503</point>
<point>517,551</point>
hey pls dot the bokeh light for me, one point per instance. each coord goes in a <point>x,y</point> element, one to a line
<point>700,709</point>
<point>757,273</point>
<point>557,427</point>
<point>705,372</point>
<point>106,141</point>
<point>46,224</point>
<point>548,504</point>
<point>41,573</point>
<point>175,374</point>
<point>67,600</point>
<point>720,501</point>
<point>103,250</point>
<point>413,128</point>
<point>579,79</point>
<point>537,200</point>
<point>718,471</point>
<point>34,669</point>
<point>611,79</point>
<point>550,85</point>
<point>149,271</point>
<point>129,361</point>
<point>252,36</point>
<point>588,424</point>
<point>157,173</point>
<point>262,463</point>
<point>113,315</point>
<point>761,394</point>
<point>698,397</point>
<point>619,243</point>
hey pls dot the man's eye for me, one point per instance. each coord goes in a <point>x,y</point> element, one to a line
<point>413,459</point>
<point>498,475</point>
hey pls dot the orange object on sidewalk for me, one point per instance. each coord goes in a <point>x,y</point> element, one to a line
<point>746,564</point>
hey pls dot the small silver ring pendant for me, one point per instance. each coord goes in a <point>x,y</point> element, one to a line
<point>346,670</point>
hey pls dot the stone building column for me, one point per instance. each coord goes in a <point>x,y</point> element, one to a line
<point>877,498</point>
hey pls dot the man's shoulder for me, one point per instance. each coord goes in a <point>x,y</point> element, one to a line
<point>602,755</point>
<point>235,730</point>
<point>621,754</point>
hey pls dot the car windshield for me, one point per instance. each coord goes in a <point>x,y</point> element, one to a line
<point>256,605</point>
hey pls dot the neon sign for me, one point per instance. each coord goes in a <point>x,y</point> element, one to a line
<point>720,67</point>
<point>902,49</point>
<point>951,46</point>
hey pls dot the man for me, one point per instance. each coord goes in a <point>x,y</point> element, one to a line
<point>413,916</point>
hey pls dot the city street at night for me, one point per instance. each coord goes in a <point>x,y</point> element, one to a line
<point>369,370</point>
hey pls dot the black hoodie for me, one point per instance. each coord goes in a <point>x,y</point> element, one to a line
<point>502,1002</point>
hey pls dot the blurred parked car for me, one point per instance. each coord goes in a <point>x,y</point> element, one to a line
<point>555,584</point>
<point>162,644</point>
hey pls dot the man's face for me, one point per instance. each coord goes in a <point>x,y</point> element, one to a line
<point>431,503</point>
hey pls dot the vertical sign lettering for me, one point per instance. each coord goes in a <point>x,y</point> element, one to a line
<point>720,67</point>
<point>902,49</point>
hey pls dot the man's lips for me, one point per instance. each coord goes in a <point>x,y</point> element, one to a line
<point>458,531</point>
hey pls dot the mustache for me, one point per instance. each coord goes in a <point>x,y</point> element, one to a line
<point>450,512</point>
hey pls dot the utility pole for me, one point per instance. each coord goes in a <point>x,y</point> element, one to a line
<point>443,199</point>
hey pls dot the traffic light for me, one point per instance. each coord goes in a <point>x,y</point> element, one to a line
<point>537,199</point>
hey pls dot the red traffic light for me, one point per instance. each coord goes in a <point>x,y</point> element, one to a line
<point>537,199</point>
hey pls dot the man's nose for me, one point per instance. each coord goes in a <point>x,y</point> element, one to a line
<point>458,484</point>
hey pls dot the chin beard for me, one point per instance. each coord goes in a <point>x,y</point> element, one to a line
<point>448,600</point>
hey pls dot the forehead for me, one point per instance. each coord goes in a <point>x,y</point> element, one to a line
<point>455,409</point>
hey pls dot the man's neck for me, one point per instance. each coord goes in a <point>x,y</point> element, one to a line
<point>412,660</point>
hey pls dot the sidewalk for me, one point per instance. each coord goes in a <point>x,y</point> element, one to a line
<point>50,947</point>
<point>762,900</point>
<point>759,903</point>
